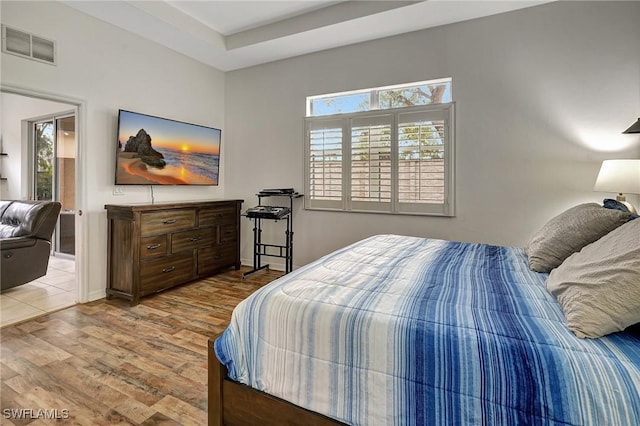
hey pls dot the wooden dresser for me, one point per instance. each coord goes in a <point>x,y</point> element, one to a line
<point>152,247</point>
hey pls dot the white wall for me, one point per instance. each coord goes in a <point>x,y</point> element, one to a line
<point>109,68</point>
<point>541,94</point>
<point>14,109</point>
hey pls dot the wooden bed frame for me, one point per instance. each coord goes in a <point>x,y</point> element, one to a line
<point>232,403</point>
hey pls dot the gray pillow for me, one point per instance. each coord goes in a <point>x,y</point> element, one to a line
<point>568,232</point>
<point>598,288</point>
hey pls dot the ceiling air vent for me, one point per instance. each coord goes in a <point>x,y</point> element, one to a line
<point>28,45</point>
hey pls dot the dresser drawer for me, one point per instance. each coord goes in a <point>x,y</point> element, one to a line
<point>189,240</point>
<point>164,221</point>
<point>166,272</point>
<point>213,258</point>
<point>218,216</point>
<point>228,233</point>
<point>153,246</point>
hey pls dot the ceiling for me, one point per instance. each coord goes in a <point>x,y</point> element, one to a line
<point>236,34</point>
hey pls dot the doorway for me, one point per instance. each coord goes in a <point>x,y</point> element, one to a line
<point>67,283</point>
<point>54,166</point>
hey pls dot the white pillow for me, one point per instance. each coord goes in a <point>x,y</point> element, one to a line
<point>598,288</point>
<point>568,232</point>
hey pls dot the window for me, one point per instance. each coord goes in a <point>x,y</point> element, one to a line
<point>388,97</point>
<point>388,149</point>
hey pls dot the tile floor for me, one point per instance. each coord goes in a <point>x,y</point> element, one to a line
<point>54,291</point>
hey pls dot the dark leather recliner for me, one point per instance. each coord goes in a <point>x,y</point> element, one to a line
<point>26,228</point>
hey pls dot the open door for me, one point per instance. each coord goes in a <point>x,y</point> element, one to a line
<point>55,174</point>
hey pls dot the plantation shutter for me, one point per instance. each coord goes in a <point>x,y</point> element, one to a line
<point>424,169</point>
<point>324,163</point>
<point>397,161</point>
<point>371,173</point>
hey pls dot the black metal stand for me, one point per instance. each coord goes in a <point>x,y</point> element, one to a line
<point>272,250</point>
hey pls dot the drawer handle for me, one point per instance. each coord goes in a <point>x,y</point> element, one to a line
<point>153,247</point>
<point>194,239</point>
<point>169,221</point>
<point>169,269</point>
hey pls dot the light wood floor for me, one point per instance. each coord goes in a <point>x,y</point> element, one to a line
<point>105,362</point>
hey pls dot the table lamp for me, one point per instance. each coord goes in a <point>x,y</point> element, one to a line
<point>621,176</point>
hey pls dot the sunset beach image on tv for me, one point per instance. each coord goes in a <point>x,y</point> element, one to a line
<point>160,151</point>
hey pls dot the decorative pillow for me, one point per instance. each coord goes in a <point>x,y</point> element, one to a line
<point>617,205</point>
<point>598,288</point>
<point>610,203</point>
<point>568,232</point>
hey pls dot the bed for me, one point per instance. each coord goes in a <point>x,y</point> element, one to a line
<point>404,330</point>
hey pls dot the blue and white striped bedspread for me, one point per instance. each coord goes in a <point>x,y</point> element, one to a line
<point>403,330</point>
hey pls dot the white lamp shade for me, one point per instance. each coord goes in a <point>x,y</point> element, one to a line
<point>621,176</point>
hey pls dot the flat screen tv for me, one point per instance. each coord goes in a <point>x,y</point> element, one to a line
<point>160,151</point>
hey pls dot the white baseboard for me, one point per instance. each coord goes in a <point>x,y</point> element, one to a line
<point>278,265</point>
<point>97,294</point>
